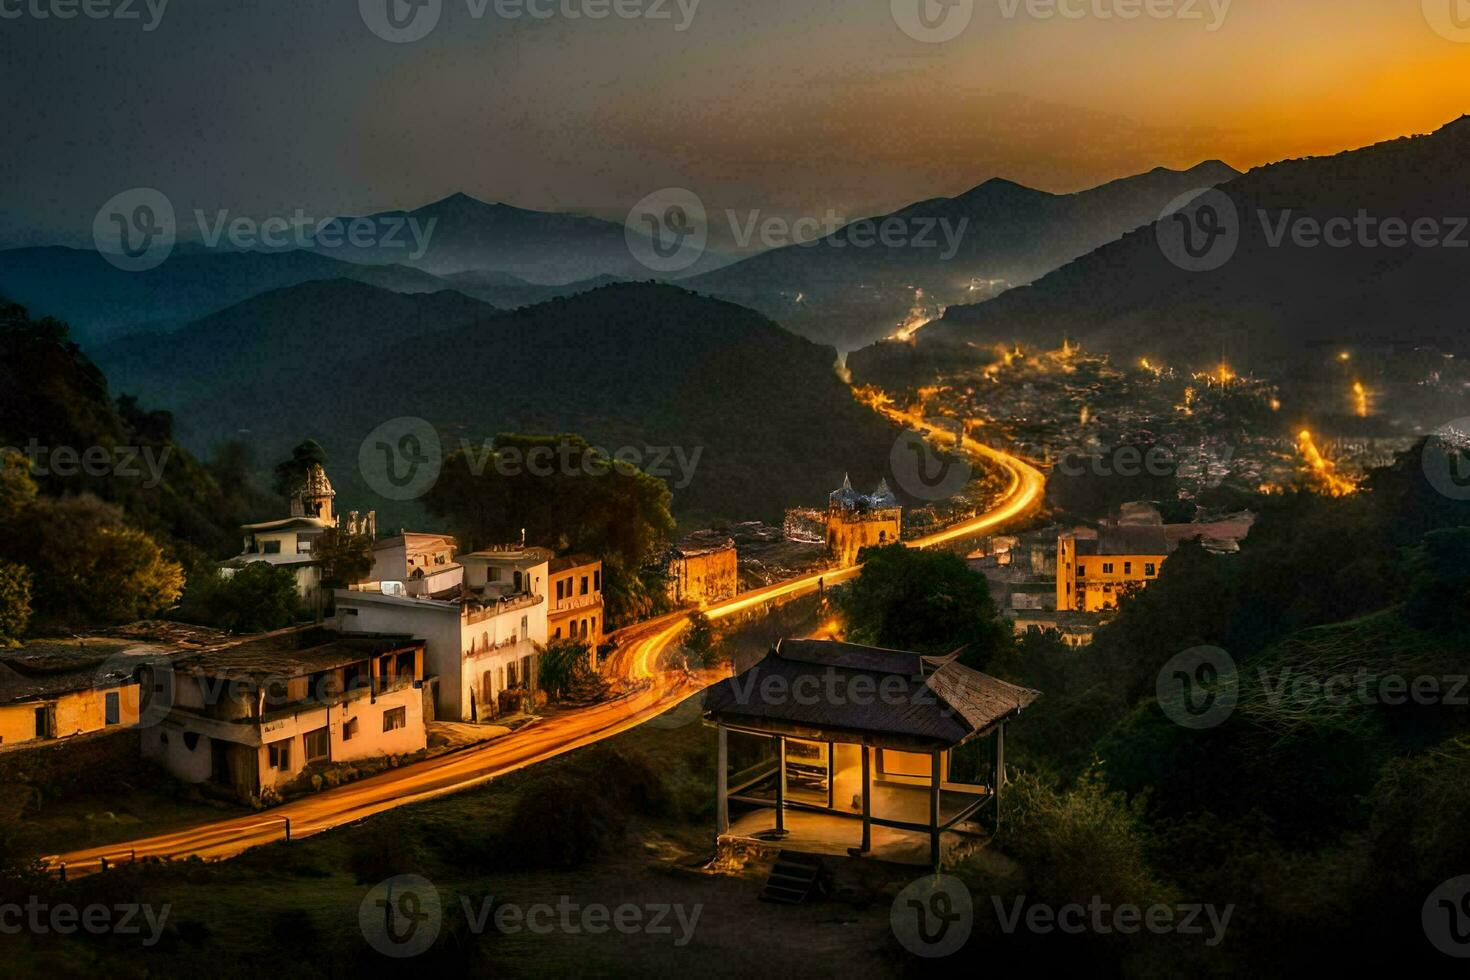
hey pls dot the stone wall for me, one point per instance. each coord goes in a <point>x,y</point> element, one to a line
<point>68,765</point>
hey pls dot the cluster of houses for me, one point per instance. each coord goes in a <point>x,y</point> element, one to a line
<point>431,634</point>
<point>1070,579</point>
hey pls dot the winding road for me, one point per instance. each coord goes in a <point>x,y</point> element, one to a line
<point>642,647</point>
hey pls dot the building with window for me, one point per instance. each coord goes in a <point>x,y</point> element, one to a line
<point>576,600</point>
<point>253,715</point>
<point>1094,568</point>
<point>424,563</point>
<point>289,541</point>
<point>481,636</point>
<point>61,690</point>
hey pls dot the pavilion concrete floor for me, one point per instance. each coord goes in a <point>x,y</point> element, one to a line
<point>825,833</point>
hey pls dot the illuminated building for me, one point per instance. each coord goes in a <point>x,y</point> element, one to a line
<point>703,568</point>
<point>1094,568</point>
<point>856,521</point>
<point>848,772</point>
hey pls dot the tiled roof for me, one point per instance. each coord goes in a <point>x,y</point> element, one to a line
<point>823,688</point>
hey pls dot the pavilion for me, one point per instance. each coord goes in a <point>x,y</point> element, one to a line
<point>821,742</point>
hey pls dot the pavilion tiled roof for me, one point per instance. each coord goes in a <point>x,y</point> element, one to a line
<point>826,689</point>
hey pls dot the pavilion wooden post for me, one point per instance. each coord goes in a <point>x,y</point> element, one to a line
<point>867,799</point>
<point>780,784</point>
<point>722,783</point>
<point>998,762</point>
<point>934,812</point>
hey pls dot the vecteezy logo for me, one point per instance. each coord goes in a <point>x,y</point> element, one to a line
<point>933,916</point>
<point>401,21</point>
<point>1199,231</point>
<point>1449,18</point>
<point>1446,917</point>
<point>136,230</point>
<point>667,231</point>
<point>1447,460</point>
<point>401,917</point>
<point>1199,688</point>
<point>401,458</point>
<point>933,21</point>
<point>923,471</point>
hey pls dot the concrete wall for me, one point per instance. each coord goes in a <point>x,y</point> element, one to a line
<point>78,713</point>
<point>710,577</point>
<point>167,745</point>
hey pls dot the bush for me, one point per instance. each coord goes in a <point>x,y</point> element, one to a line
<point>256,599</point>
<point>15,602</point>
<point>1078,843</point>
<point>565,668</point>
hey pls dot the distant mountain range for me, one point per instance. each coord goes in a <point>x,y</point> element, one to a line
<point>102,303</point>
<point>1325,257</point>
<point>624,365</point>
<point>858,284</point>
<point>468,235</point>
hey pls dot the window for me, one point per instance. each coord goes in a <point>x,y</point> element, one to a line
<point>1150,569</point>
<point>584,585</point>
<point>303,544</point>
<point>558,634</point>
<point>561,591</point>
<point>43,730</point>
<point>279,755</point>
<point>318,745</point>
<point>1081,571</point>
<point>1107,568</point>
<point>349,729</point>
<point>1128,568</point>
<point>597,581</point>
<point>394,719</point>
<point>112,710</point>
<point>271,547</point>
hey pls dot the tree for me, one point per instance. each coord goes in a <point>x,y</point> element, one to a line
<point>565,495</point>
<point>256,599</point>
<point>701,647</point>
<point>90,568</point>
<point>1441,581</point>
<point>346,559</point>
<point>17,489</point>
<point>291,473</point>
<point>924,601</point>
<point>565,669</point>
<point>15,602</point>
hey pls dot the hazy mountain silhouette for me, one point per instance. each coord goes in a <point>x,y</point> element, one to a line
<point>1271,303</point>
<point>101,302</point>
<point>539,246</point>
<point>838,290</point>
<point>626,365</point>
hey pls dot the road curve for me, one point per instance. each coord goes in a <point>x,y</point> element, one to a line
<point>656,691</point>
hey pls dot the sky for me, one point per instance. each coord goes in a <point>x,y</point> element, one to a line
<point>788,107</point>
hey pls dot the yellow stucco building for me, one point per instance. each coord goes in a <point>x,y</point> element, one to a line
<point>856,521</point>
<point>1095,567</point>
<point>42,699</point>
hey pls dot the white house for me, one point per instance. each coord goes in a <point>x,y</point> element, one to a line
<point>289,542</point>
<point>424,563</point>
<point>480,637</point>
<point>255,714</point>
